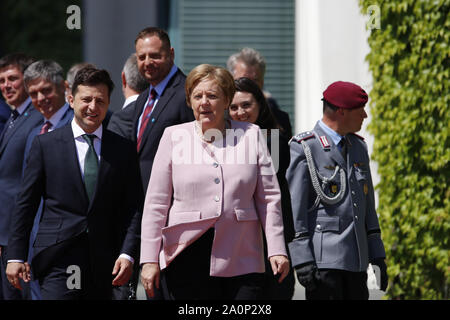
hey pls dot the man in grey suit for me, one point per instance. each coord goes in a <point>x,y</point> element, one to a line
<point>337,233</point>
<point>45,84</point>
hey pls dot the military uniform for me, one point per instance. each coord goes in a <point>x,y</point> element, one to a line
<point>338,229</point>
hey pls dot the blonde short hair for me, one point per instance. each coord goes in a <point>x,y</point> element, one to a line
<point>222,76</point>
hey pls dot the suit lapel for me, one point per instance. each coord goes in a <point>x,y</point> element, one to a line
<point>70,156</point>
<point>18,123</point>
<point>106,147</point>
<point>167,94</point>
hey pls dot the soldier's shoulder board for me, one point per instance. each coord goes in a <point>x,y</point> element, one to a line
<point>358,136</point>
<point>302,136</point>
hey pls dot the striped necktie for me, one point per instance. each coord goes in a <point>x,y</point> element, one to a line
<point>146,116</point>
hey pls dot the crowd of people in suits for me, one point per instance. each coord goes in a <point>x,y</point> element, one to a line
<point>92,202</point>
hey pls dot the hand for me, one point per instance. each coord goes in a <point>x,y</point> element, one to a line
<point>150,277</point>
<point>280,265</point>
<point>306,275</point>
<point>124,269</point>
<point>383,272</point>
<point>16,270</point>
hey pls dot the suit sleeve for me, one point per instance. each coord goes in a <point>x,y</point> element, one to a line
<point>299,182</point>
<point>132,205</point>
<point>376,247</point>
<point>32,188</point>
<point>268,200</point>
<point>157,201</point>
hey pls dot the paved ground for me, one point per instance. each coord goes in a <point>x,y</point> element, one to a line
<point>299,294</point>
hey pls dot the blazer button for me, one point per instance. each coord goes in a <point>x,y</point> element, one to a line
<point>355,205</point>
<point>215,164</point>
<point>216,198</point>
<point>353,192</point>
<point>319,227</point>
<point>217,180</point>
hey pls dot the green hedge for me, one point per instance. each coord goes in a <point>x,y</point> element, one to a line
<point>38,28</point>
<point>409,62</point>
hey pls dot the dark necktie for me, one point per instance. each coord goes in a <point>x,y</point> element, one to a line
<point>90,166</point>
<point>12,119</point>
<point>343,148</point>
<point>146,116</point>
<point>47,125</point>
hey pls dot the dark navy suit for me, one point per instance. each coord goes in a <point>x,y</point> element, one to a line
<point>92,234</point>
<point>66,119</point>
<point>5,112</point>
<point>12,148</point>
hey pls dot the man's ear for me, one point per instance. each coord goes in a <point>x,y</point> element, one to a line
<point>124,80</point>
<point>70,99</point>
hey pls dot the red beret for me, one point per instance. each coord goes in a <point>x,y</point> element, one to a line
<point>345,95</point>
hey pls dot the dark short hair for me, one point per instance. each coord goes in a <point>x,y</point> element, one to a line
<point>20,60</point>
<point>89,76</point>
<point>266,119</point>
<point>328,107</point>
<point>154,31</point>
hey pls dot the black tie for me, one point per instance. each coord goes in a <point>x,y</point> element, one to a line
<point>12,119</point>
<point>343,147</point>
<point>90,166</point>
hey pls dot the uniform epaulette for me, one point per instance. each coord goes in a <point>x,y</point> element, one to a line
<point>357,135</point>
<point>302,136</point>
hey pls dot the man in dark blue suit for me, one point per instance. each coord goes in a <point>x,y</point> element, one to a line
<point>45,84</point>
<point>88,178</point>
<point>12,147</point>
<point>163,104</point>
<point>5,113</point>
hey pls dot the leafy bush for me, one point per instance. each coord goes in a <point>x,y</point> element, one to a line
<point>409,62</point>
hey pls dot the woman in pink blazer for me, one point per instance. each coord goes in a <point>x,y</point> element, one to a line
<point>212,193</point>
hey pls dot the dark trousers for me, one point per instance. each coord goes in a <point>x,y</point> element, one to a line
<point>7,291</point>
<point>187,277</point>
<point>70,278</point>
<point>339,285</point>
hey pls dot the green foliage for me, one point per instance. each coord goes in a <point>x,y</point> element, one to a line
<point>38,28</point>
<point>409,62</point>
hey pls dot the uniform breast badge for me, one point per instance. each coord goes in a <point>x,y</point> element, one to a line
<point>334,188</point>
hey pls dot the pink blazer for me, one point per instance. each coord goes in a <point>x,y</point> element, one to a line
<point>195,186</point>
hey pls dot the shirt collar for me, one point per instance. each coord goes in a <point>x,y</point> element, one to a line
<point>129,100</point>
<point>78,132</point>
<point>159,88</point>
<point>20,109</point>
<point>335,137</point>
<point>57,116</point>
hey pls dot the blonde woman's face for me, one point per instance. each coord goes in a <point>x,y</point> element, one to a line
<point>244,107</point>
<point>209,104</point>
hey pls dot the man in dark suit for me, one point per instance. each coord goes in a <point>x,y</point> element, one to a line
<point>163,104</point>
<point>88,178</point>
<point>12,146</point>
<point>44,81</point>
<point>5,113</point>
<point>249,63</point>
